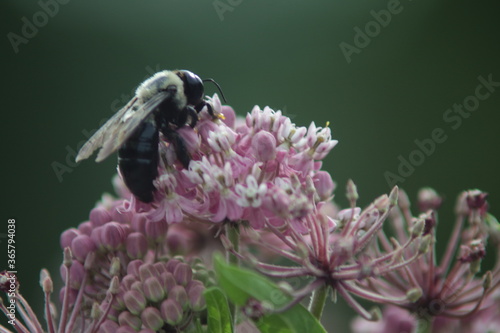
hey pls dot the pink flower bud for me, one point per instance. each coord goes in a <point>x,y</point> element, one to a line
<point>127,281</point>
<point>108,326</point>
<point>113,235</point>
<point>134,301</point>
<point>127,319</point>
<point>153,290</point>
<point>171,264</point>
<point>161,267</point>
<point>168,281</point>
<point>125,329</point>
<point>171,312</point>
<point>137,245</point>
<point>195,295</point>
<point>151,318</point>
<point>99,216</point>
<point>138,223</point>
<point>147,271</point>
<point>156,230</point>
<point>324,185</point>
<point>86,228</point>
<point>76,274</point>
<point>133,267</point>
<point>67,237</point>
<point>264,146</point>
<point>229,116</point>
<point>81,246</point>
<point>178,294</point>
<point>183,274</point>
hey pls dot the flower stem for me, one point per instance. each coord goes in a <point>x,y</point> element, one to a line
<point>318,299</point>
<point>233,234</point>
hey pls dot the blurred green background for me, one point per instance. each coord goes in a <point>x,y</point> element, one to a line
<point>79,64</point>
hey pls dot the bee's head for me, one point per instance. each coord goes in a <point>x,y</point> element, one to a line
<point>193,86</point>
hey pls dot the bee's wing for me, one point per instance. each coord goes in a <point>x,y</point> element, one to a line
<point>127,124</point>
<point>96,141</point>
<point>119,128</point>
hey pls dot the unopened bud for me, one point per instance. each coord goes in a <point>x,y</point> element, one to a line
<point>183,274</point>
<point>46,281</point>
<point>425,242</point>
<point>151,318</point>
<point>96,312</point>
<point>134,301</point>
<point>264,146</point>
<point>418,228</point>
<point>179,294</point>
<point>414,294</point>
<point>352,192</point>
<point>127,319</point>
<point>171,312</point>
<point>195,296</point>
<point>114,269</point>
<point>393,196</point>
<point>153,289</point>
<point>114,285</point>
<point>67,256</point>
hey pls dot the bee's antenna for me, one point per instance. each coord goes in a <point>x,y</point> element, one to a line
<point>218,87</point>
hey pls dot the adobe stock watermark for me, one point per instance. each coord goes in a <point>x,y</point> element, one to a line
<point>68,165</point>
<point>29,29</point>
<point>363,37</point>
<point>453,118</point>
<point>223,6</point>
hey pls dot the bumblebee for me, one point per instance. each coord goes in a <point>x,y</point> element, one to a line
<point>163,103</point>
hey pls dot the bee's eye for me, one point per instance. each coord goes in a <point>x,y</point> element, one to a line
<point>193,87</point>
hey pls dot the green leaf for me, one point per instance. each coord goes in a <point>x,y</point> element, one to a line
<point>241,284</point>
<point>219,317</point>
<point>294,320</point>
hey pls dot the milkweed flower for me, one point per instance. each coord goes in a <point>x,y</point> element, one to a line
<point>242,170</point>
<point>120,272</point>
<point>454,293</point>
<point>344,251</point>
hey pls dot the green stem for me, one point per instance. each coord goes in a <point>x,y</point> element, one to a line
<point>424,325</point>
<point>318,301</point>
<point>233,234</point>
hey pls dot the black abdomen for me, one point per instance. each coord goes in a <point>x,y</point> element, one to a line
<point>138,161</point>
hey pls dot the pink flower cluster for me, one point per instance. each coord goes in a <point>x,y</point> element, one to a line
<point>265,170</point>
<point>454,293</point>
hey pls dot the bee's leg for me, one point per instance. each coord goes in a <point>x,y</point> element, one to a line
<point>181,118</point>
<point>210,109</point>
<point>179,144</point>
<point>192,114</point>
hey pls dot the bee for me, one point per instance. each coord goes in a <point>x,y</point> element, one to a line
<point>163,103</point>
